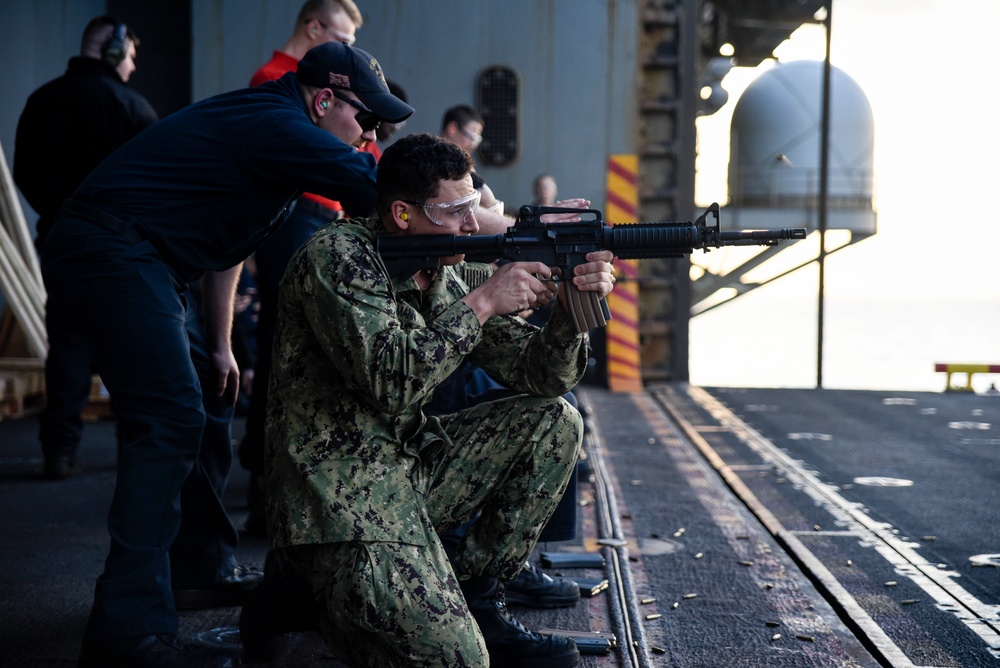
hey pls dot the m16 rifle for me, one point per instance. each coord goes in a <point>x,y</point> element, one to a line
<point>565,245</point>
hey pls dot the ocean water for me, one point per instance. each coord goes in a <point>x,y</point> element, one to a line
<point>874,343</point>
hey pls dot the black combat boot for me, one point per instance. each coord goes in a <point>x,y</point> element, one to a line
<point>283,603</point>
<point>510,644</point>
<point>536,589</point>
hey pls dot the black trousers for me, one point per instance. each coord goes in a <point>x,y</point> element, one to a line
<point>131,313</point>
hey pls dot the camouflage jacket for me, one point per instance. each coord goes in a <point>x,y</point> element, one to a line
<point>356,356</point>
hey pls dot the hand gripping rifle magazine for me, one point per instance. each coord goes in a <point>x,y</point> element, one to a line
<point>565,245</point>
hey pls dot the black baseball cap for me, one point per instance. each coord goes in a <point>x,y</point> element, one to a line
<point>337,65</point>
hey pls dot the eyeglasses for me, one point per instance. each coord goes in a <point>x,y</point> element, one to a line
<point>341,36</point>
<point>365,118</point>
<point>476,139</point>
<point>450,214</point>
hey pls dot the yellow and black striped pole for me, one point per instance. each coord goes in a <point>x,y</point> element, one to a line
<point>622,331</point>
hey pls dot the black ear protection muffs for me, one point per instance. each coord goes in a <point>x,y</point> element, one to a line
<point>115,49</point>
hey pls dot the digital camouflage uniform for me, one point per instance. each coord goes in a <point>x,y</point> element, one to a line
<point>359,480</point>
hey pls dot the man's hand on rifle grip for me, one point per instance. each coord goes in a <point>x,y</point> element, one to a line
<point>512,288</point>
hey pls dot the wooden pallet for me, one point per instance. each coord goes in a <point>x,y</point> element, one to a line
<point>22,390</point>
<point>22,387</point>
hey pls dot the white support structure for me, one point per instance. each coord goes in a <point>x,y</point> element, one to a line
<point>20,276</point>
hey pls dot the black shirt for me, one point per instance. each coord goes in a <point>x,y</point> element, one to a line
<point>67,127</point>
<point>207,184</point>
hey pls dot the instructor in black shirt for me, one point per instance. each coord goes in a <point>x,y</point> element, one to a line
<point>53,152</point>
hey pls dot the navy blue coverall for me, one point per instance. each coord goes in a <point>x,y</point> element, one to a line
<point>199,190</point>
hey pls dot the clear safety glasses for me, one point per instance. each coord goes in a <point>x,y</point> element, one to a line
<point>450,214</point>
<point>473,137</point>
<point>337,35</point>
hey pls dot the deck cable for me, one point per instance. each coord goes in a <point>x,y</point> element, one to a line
<point>632,647</point>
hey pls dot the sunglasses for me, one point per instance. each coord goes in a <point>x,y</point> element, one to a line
<point>365,118</point>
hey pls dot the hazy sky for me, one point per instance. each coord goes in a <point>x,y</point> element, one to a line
<point>926,287</point>
<point>928,68</point>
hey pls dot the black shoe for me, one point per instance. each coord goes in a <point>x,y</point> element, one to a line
<point>228,591</point>
<point>536,589</point>
<point>510,644</point>
<point>61,467</point>
<point>279,605</point>
<point>153,651</point>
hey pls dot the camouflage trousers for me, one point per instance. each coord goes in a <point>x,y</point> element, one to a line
<point>392,604</point>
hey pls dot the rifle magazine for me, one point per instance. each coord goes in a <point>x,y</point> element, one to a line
<point>588,310</point>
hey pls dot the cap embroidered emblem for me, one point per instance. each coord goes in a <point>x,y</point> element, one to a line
<point>373,65</point>
<point>340,80</point>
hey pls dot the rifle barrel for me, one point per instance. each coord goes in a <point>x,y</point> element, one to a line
<point>764,235</point>
<point>653,240</point>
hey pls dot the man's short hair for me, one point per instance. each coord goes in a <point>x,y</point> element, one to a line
<point>461,114</point>
<point>413,167</point>
<point>317,8</point>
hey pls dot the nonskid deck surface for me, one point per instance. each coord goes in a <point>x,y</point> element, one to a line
<point>738,527</point>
